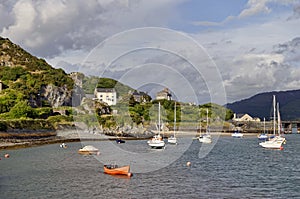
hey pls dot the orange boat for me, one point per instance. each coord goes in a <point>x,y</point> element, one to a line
<point>114,169</point>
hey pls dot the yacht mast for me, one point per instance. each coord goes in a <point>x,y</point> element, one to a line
<point>174,118</point>
<point>274,115</point>
<point>159,118</point>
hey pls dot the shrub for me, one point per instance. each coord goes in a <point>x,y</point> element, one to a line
<point>22,110</point>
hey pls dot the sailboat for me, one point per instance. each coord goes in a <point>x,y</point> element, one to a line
<point>206,138</point>
<point>197,137</point>
<point>277,141</point>
<point>157,142</point>
<point>237,134</point>
<point>173,139</point>
<point>200,129</point>
<point>263,136</point>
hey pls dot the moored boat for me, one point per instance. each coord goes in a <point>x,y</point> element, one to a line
<point>157,141</point>
<point>173,139</point>
<point>263,136</point>
<point>114,169</point>
<point>88,150</point>
<point>237,134</point>
<point>277,141</point>
<point>206,138</point>
<point>274,143</point>
<point>120,141</point>
<point>63,145</point>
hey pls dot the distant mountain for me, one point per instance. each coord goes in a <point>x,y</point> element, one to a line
<point>261,106</point>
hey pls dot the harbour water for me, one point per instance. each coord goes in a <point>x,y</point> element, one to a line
<point>234,168</point>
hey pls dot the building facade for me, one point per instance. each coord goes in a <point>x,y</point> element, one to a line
<point>164,94</point>
<point>244,118</point>
<point>106,95</point>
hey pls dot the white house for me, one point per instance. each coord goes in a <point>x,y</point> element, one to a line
<point>107,95</point>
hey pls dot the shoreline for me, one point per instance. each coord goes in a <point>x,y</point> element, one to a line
<point>75,136</point>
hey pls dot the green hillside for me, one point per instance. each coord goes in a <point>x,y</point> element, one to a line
<point>25,81</point>
<point>26,73</point>
<point>90,83</point>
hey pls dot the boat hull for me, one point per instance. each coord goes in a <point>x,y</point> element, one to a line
<point>205,140</point>
<point>156,142</point>
<point>119,141</point>
<point>114,170</point>
<point>88,152</point>
<point>157,145</point>
<point>172,140</point>
<point>263,137</point>
<point>237,135</point>
<point>275,143</point>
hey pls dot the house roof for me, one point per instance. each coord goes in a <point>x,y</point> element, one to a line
<point>139,93</point>
<point>239,115</point>
<point>106,90</point>
<point>164,92</point>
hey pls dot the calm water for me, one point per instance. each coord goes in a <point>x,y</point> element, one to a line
<point>234,168</point>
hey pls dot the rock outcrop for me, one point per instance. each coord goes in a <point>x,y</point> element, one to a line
<point>57,96</point>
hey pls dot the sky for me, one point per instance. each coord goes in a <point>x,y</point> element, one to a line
<point>202,50</point>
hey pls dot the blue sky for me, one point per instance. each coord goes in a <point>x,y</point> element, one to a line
<point>214,10</point>
<point>253,43</point>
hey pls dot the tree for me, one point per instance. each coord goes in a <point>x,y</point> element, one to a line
<point>22,110</point>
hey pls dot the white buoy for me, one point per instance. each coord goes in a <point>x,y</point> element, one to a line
<point>188,164</point>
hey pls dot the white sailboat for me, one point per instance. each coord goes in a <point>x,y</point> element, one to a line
<point>206,138</point>
<point>157,140</point>
<point>278,140</point>
<point>173,139</point>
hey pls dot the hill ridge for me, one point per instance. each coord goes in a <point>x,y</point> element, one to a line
<point>260,105</point>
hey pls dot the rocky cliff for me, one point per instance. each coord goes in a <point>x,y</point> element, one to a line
<point>33,78</point>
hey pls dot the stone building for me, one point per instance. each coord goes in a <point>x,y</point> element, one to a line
<point>164,94</point>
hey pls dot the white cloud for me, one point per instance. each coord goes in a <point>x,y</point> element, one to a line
<point>247,55</point>
<point>257,57</point>
<point>47,28</point>
<point>24,14</point>
<point>210,23</point>
<point>255,7</point>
